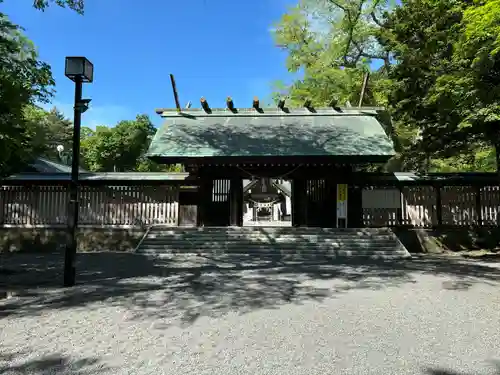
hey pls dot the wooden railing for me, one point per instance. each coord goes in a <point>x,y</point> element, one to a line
<point>429,206</point>
<point>417,206</point>
<point>99,205</point>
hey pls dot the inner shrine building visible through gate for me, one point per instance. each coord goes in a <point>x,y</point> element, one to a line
<point>320,151</point>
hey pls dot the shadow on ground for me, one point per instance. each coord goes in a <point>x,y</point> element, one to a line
<point>52,364</point>
<point>181,290</point>
<point>434,371</point>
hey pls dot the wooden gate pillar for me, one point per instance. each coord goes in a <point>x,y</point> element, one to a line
<point>236,201</point>
<point>355,207</point>
<point>330,213</point>
<point>298,202</point>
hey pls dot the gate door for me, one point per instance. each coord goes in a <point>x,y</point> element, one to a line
<point>320,202</point>
<point>218,214</point>
<point>188,208</point>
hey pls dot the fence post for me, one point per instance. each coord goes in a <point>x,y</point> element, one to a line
<point>477,196</point>
<point>401,204</point>
<point>439,206</point>
<point>2,204</point>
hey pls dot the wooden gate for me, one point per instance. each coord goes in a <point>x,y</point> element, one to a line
<point>218,213</point>
<point>320,202</point>
<point>188,208</point>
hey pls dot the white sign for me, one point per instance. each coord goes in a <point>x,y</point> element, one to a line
<point>342,201</point>
<point>381,198</point>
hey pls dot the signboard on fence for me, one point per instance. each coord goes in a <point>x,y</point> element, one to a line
<point>342,201</point>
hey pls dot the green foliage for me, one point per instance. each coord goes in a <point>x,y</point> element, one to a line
<point>27,131</point>
<point>120,148</point>
<point>76,5</point>
<point>446,81</point>
<point>333,43</point>
<point>24,80</point>
<point>48,129</point>
<point>439,72</point>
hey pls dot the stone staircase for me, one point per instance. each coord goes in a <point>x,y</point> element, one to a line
<point>286,242</point>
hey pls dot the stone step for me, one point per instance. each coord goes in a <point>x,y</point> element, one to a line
<point>264,228</point>
<point>291,253</point>
<point>260,236</point>
<point>309,242</point>
<point>270,248</point>
<point>331,240</point>
<point>288,231</point>
<point>203,239</point>
<point>323,243</point>
<point>273,234</point>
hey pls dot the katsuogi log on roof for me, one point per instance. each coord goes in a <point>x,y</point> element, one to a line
<point>249,134</point>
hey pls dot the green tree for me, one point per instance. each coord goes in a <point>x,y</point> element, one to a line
<point>120,148</point>
<point>48,129</point>
<point>333,42</point>
<point>76,5</point>
<point>438,72</point>
<point>24,80</point>
<point>476,75</point>
<point>445,82</point>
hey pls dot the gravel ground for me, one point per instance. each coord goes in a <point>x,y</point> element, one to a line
<point>134,315</point>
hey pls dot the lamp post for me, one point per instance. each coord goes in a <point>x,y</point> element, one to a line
<point>79,70</point>
<point>64,157</point>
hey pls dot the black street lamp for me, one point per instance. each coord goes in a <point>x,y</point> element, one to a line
<point>79,70</point>
<point>64,157</point>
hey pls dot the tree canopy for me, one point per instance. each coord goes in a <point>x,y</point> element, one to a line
<point>333,43</point>
<point>24,80</point>
<point>433,63</point>
<point>76,5</point>
<point>28,131</point>
<point>120,148</point>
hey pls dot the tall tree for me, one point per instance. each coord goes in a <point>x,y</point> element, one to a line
<point>23,80</point>
<point>120,148</point>
<point>48,129</point>
<point>475,79</point>
<point>333,43</point>
<point>443,84</point>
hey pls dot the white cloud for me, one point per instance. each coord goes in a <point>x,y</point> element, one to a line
<point>107,115</point>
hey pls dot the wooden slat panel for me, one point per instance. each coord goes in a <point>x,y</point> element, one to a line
<point>99,205</point>
<point>105,205</point>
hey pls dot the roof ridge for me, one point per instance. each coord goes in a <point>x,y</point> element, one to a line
<point>266,111</point>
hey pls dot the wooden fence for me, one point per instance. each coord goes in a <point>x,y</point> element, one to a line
<point>417,206</point>
<point>429,206</point>
<point>99,205</point>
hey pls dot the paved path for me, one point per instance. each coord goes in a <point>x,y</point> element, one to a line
<point>197,316</point>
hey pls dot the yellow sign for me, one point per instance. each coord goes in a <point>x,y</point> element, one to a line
<point>341,192</point>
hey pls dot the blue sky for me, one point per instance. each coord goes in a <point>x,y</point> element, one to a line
<point>215,48</point>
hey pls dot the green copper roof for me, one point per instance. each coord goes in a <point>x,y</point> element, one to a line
<point>195,133</point>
